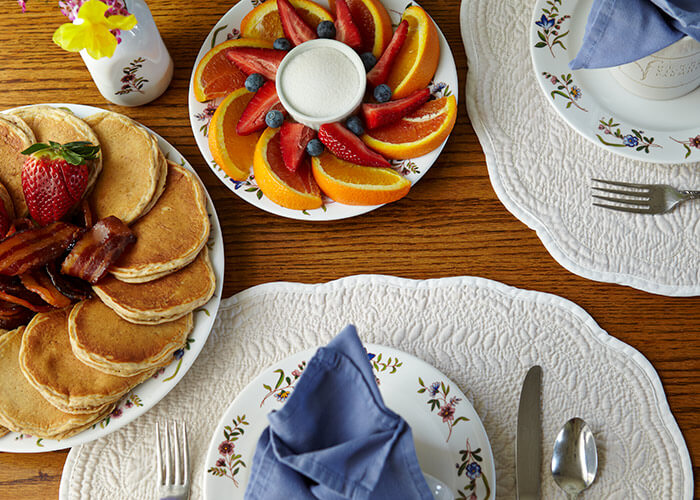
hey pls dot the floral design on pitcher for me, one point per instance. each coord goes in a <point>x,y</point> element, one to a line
<point>636,139</point>
<point>550,26</point>
<point>131,82</point>
<point>692,142</point>
<point>446,408</point>
<point>229,463</point>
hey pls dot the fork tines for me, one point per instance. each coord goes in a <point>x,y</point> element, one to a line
<point>637,197</point>
<point>172,460</point>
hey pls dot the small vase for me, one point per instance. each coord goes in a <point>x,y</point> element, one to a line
<point>140,69</point>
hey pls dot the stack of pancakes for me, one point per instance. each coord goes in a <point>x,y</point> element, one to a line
<point>68,368</point>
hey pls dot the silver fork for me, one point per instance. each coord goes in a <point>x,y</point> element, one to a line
<point>173,479</point>
<point>643,198</point>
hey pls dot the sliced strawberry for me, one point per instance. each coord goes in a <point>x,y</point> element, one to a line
<point>256,60</point>
<point>377,115</point>
<point>347,146</point>
<point>293,140</point>
<point>54,178</point>
<point>253,116</point>
<point>380,72</point>
<point>295,28</point>
<point>346,30</point>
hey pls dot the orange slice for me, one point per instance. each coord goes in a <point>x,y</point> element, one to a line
<point>353,184</point>
<point>216,76</point>
<point>417,61</point>
<point>264,20</point>
<point>232,152</point>
<point>374,23</point>
<point>415,134</point>
<point>296,190</point>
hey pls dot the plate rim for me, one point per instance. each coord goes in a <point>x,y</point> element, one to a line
<point>315,215</point>
<point>541,62</point>
<point>217,256</point>
<point>206,478</point>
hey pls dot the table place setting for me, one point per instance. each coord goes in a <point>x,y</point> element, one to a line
<point>545,169</point>
<point>220,276</point>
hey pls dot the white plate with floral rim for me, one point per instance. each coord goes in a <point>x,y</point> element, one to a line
<point>144,396</point>
<point>450,440</point>
<point>444,83</point>
<point>596,105</point>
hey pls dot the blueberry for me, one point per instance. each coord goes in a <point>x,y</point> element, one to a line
<point>282,44</point>
<point>254,82</point>
<point>315,147</point>
<point>325,29</point>
<point>382,93</point>
<point>354,124</point>
<point>368,60</point>
<point>274,118</point>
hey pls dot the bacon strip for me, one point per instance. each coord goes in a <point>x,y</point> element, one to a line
<point>39,282</point>
<point>99,247</point>
<point>12,290</point>
<point>71,287</point>
<point>26,250</point>
<point>13,315</point>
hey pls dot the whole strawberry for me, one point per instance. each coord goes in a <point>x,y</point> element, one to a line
<point>54,178</point>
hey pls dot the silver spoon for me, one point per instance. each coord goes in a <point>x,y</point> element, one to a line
<point>575,458</point>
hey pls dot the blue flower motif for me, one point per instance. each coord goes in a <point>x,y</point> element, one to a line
<point>545,23</point>
<point>370,356</point>
<point>473,470</point>
<point>630,141</point>
<point>434,388</point>
<point>179,353</point>
<point>576,92</point>
<point>236,184</point>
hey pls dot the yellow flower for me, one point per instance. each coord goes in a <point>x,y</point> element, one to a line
<point>93,34</point>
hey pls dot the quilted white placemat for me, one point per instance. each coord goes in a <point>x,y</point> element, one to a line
<point>541,168</point>
<point>482,334</point>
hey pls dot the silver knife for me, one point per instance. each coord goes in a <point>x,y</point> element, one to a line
<point>528,440</point>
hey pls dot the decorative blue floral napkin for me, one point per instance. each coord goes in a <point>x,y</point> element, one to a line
<point>622,31</point>
<point>334,438</point>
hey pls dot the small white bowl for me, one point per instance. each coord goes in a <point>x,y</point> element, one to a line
<point>302,83</point>
<point>667,74</point>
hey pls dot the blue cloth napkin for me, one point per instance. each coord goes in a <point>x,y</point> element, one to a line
<point>622,31</point>
<point>334,438</point>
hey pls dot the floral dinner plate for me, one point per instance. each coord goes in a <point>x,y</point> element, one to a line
<point>596,105</point>
<point>144,396</point>
<point>444,84</point>
<point>450,440</point>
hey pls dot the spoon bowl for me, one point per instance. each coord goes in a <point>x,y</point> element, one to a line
<point>575,458</point>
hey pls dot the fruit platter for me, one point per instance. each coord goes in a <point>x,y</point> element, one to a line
<point>318,111</point>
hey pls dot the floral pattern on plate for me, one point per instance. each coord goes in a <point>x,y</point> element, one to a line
<point>459,455</point>
<point>445,83</point>
<point>641,129</point>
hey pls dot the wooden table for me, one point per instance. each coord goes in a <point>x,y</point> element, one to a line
<point>451,223</point>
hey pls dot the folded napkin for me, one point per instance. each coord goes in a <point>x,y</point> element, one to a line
<point>622,31</point>
<point>334,438</point>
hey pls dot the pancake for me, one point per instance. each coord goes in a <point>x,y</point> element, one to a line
<point>131,167</point>
<point>59,125</point>
<point>163,163</point>
<point>106,342</point>
<point>23,409</point>
<point>165,299</point>
<point>3,431</point>
<point>169,236</point>
<point>13,140</point>
<point>7,203</point>
<point>48,363</point>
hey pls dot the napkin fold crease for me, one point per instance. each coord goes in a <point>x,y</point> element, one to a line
<point>335,438</point>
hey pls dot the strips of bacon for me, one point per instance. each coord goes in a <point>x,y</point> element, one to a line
<point>12,290</point>
<point>39,282</point>
<point>98,248</point>
<point>71,287</point>
<point>28,249</point>
<point>13,315</point>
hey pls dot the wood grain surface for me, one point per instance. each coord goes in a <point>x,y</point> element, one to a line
<point>450,224</point>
